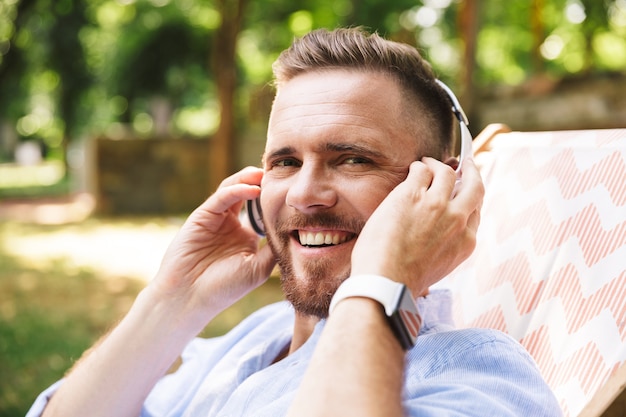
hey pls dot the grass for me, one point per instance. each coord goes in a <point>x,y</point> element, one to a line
<point>52,307</point>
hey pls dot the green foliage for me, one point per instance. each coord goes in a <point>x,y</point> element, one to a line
<point>71,68</point>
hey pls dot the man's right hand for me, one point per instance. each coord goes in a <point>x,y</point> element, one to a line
<point>214,260</point>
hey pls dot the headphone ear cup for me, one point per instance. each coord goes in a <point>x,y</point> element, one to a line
<point>255,215</point>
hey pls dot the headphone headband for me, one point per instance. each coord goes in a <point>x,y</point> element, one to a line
<point>456,106</point>
<point>466,136</point>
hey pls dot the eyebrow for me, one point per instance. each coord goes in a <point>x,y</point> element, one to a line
<point>284,151</point>
<point>352,148</point>
<point>328,147</point>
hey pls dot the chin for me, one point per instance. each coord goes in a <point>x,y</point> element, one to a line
<point>310,293</point>
<point>309,286</point>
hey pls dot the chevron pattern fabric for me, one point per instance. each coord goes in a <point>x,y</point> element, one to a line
<point>550,264</point>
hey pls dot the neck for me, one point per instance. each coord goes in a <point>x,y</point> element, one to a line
<point>302,329</point>
<point>304,325</point>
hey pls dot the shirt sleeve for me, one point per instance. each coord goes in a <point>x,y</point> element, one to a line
<point>169,396</point>
<point>42,400</point>
<point>477,373</point>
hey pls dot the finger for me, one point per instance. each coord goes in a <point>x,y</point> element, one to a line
<point>470,234</point>
<point>419,177</point>
<point>265,261</point>
<point>474,221</point>
<point>444,177</point>
<point>471,190</point>
<point>227,197</point>
<point>248,175</point>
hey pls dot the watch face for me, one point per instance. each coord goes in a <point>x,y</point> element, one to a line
<point>409,314</point>
<point>406,320</point>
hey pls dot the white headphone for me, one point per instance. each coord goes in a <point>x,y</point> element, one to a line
<point>466,136</point>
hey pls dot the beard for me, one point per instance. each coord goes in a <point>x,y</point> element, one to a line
<point>310,292</point>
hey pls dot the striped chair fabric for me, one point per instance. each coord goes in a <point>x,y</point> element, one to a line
<point>550,264</point>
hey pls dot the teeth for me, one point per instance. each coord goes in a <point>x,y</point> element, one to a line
<point>319,238</point>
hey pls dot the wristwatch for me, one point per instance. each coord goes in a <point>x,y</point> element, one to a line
<point>396,299</point>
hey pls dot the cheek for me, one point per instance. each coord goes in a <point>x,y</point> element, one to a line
<point>272,200</point>
<point>358,196</point>
<point>364,198</point>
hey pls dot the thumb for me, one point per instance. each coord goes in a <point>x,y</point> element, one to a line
<point>265,262</point>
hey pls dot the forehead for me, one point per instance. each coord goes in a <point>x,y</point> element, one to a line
<point>338,105</point>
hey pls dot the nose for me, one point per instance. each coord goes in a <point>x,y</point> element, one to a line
<point>312,189</point>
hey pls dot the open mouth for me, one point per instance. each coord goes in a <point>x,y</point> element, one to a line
<point>322,239</point>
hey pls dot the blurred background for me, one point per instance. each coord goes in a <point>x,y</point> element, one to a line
<point>118,117</point>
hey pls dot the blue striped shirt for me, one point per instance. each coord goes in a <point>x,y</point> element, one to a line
<point>469,372</point>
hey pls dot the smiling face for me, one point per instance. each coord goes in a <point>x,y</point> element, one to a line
<point>337,144</point>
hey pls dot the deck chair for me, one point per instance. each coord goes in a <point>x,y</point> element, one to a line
<point>550,263</point>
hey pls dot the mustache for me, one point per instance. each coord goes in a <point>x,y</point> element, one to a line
<point>319,220</point>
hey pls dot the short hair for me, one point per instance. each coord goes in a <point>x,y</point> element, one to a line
<point>356,49</point>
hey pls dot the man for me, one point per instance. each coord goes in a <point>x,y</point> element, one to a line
<point>352,186</point>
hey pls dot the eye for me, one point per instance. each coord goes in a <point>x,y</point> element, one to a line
<point>286,162</point>
<point>356,160</point>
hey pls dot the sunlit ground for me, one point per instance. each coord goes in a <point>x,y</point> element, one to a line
<point>113,248</point>
<point>129,248</point>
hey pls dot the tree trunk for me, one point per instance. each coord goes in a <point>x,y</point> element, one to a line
<point>224,149</point>
<point>538,33</point>
<point>468,23</point>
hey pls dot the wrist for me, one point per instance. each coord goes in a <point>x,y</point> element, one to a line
<point>171,313</point>
<point>398,305</point>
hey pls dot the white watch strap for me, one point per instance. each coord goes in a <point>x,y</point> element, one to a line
<point>384,290</point>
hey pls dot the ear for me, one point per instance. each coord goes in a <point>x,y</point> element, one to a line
<point>453,162</point>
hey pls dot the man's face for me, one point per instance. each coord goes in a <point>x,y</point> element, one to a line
<point>336,146</point>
